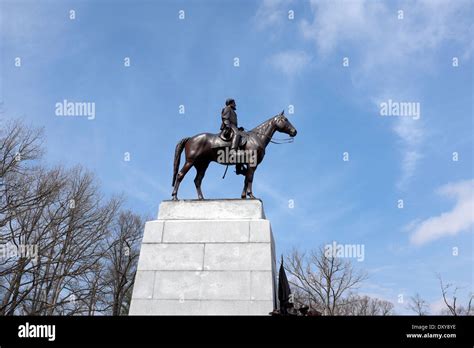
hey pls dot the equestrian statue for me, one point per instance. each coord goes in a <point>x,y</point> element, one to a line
<point>232,146</point>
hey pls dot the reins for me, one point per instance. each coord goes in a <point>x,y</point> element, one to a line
<point>288,140</point>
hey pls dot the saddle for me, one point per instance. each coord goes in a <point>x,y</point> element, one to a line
<point>226,137</point>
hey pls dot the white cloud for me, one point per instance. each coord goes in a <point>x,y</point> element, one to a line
<point>411,135</point>
<point>459,218</point>
<point>387,54</point>
<point>290,63</point>
<point>409,130</point>
<point>385,51</point>
<point>383,38</point>
<point>335,22</point>
<point>271,13</point>
<point>409,163</point>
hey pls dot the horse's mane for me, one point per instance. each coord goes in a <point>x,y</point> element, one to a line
<point>263,126</point>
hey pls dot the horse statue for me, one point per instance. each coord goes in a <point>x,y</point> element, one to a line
<point>204,148</point>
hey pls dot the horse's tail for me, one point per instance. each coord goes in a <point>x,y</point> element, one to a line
<point>177,157</point>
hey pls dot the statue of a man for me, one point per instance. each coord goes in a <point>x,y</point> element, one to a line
<point>230,124</point>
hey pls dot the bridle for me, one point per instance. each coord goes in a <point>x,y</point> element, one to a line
<point>273,140</point>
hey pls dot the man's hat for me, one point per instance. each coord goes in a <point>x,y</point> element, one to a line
<point>229,101</point>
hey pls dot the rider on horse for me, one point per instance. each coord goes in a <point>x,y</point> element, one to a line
<point>204,148</point>
<point>230,125</point>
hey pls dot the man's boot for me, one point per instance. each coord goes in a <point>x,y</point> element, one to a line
<point>239,167</point>
<point>235,142</point>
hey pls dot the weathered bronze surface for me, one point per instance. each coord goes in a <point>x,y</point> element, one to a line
<point>246,149</point>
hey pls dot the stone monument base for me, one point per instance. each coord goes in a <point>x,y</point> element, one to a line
<point>210,257</point>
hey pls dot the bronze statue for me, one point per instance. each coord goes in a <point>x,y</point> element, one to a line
<point>249,149</point>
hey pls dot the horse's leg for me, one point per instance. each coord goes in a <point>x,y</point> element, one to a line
<point>200,172</point>
<point>249,179</point>
<point>179,178</point>
<point>244,191</point>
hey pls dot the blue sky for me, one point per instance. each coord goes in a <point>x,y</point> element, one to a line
<point>282,62</point>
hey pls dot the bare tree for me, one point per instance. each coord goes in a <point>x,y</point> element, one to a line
<point>85,251</point>
<point>364,305</point>
<point>418,305</point>
<point>449,293</point>
<point>22,230</point>
<point>20,146</point>
<point>69,229</point>
<point>322,281</point>
<point>122,256</point>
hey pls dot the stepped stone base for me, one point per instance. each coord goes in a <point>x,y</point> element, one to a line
<point>211,257</point>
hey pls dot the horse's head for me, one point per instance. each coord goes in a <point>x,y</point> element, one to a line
<point>283,125</point>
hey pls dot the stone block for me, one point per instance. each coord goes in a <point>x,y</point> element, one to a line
<point>171,257</point>
<point>238,256</point>
<point>206,231</point>
<point>153,231</point>
<point>221,209</point>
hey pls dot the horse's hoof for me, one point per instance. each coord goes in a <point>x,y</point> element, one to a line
<point>174,198</point>
<point>251,195</point>
<point>200,198</point>
<point>243,196</point>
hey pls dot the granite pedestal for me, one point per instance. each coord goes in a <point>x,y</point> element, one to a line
<point>211,257</point>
